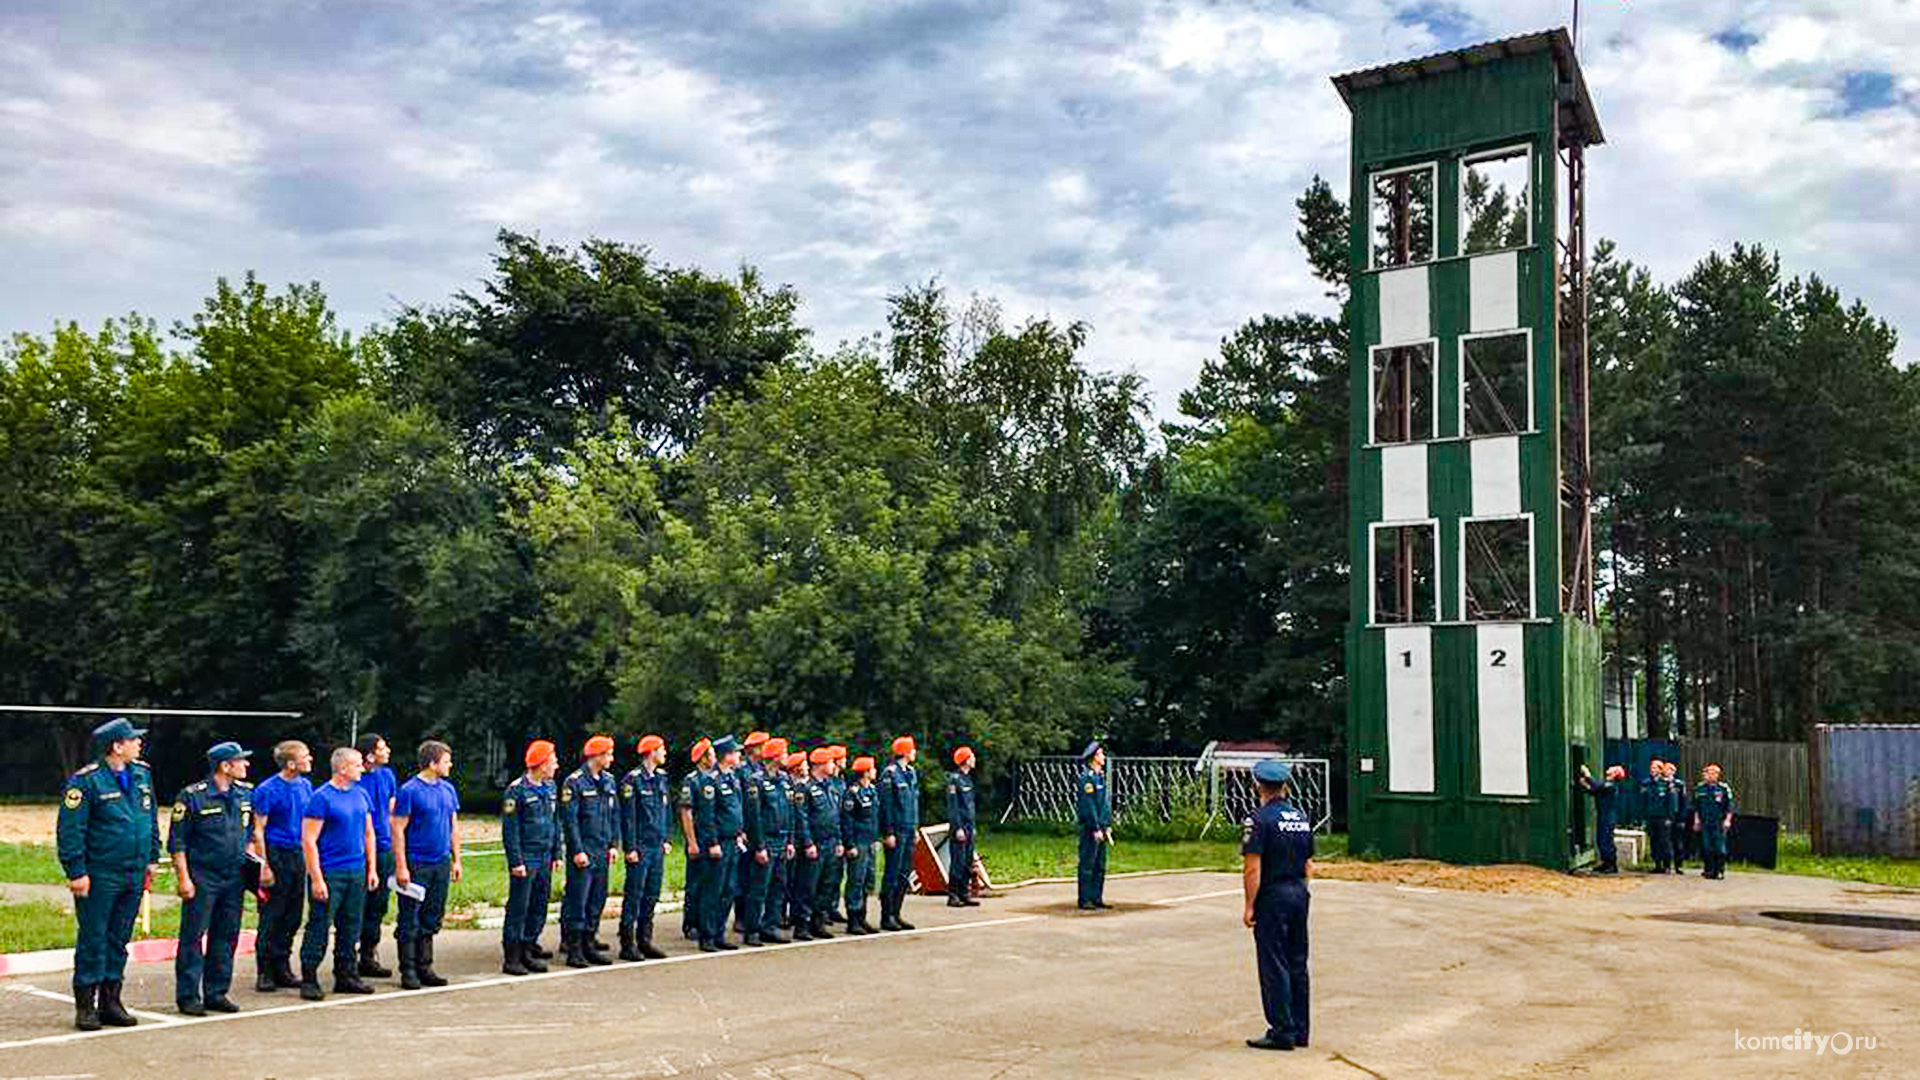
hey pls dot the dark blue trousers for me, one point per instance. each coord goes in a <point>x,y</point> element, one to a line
<point>1660,835</point>
<point>376,909</point>
<point>213,913</point>
<point>1093,868</point>
<point>690,897</point>
<point>893,880</point>
<point>280,915</point>
<point>826,885</point>
<point>1280,948</point>
<point>421,918</point>
<point>640,890</point>
<point>527,903</point>
<point>340,911</point>
<point>959,866</point>
<point>585,899</point>
<point>716,895</point>
<point>774,896</point>
<point>805,873</point>
<point>759,886</point>
<point>105,917</point>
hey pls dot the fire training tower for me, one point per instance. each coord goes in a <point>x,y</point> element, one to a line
<point>1473,661</point>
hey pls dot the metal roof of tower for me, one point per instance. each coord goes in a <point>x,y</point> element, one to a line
<point>1576,107</point>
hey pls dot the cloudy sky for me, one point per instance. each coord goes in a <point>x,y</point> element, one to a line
<point>1130,164</point>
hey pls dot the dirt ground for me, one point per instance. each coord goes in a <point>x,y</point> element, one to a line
<point>1512,880</point>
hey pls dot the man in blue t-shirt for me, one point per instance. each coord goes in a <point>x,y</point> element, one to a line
<point>278,804</point>
<point>336,836</point>
<point>1277,846</point>
<point>426,854</point>
<point>379,784</point>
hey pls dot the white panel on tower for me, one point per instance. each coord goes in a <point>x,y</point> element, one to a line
<point>1403,482</point>
<point>1409,708</point>
<point>1493,296</point>
<point>1403,306</point>
<point>1502,671</point>
<point>1496,476</point>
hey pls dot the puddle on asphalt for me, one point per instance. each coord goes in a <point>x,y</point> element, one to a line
<point>1854,931</point>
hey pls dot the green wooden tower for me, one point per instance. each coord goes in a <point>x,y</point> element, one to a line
<point>1473,662</point>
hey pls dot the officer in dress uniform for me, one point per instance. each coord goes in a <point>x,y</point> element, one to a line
<point>1712,820</point>
<point>823,826</point>
<point>696,869</point>
<point>806,856</point>
<point>859,830</point>
<point>771,843</point>
<point>646,801</point>
<point>899,830</point>
<point>1094,809</point>
<point>589,821</point>
<point>1277,847</point>
<point>530,833</point>
<point>743,775</point>
<point>211,834</point>
<point>719,825</point>
<point>1659,818</point>
<point>961,836</point>
<point>109,838</point>
<point>1606,811</point>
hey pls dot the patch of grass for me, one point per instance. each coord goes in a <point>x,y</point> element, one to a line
<point>44,924</point>
<point>1796,857</point>
<point>484,879</point>
<point>36,864</point>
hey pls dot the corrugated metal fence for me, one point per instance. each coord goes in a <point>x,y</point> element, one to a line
<point>1768,778</point>
<point>1866,789</point>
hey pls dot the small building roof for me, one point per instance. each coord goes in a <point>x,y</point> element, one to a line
<point>1576,106</point>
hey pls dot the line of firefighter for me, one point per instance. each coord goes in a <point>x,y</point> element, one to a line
<point>1677,820</point>
<point>771,836</point>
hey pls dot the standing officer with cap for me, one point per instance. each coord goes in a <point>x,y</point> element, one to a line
<point>278,805</point>
<point>1094,809</point>
<point>960,830</point>
<point>806,856</point>
<point>646,799</point>
<point>696,869</point>
<point>530,833</point>
<point>859,830</point>
<point>1712,819</point>
<point>109,837</point>
<point>1277,848</point>
<point>589,820</point>
<point>823,827</point>
<point>719,821</point>
<point>1606,809</point>
<point>899,830</point>
<point>743,775</point>
<point>211,835</point>
<point>767,891</point>
<point>379,784</point>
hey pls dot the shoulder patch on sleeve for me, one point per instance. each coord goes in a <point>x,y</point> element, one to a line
<point>510,806</point>
<point>566,793</point>
<point>179,811</point>
<point>73,799</point>
<point>1089,789</point>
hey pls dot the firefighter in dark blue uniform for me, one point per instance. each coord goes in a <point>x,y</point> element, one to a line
<point>823,827</point>
<point>590,822</point>
<point>1606,812</point>
<point>646,802</point>
<point>770,843</point>
<point>859,829</point>
<point>1277,847</point>
<point>109,838</point>
<point>212,832</point>
<point>696,856</point>
<point>530,833</point>
<point>1680,805</point>
<point>961,830</point>
<point>1093,808</point>
<point>806,856</point>
<point>719,821</point>
<point>1712,820</point>
<point>743,775</point>
<point>899,830</point>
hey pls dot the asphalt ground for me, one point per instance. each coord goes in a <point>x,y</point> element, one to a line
<point>1653,981</point>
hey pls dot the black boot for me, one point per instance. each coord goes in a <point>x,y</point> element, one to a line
<point>428,977</point>
<point>532,957</point>
<point>283,973</point>
<point>112,1013</point>
<point>570,945</point>
<point>857,921</point>
<point>595,950</point>
<point>310,984</point>
<point>370,966</point>
<point>819,927</point>
<point>346,980</point>
<point>221,1003</point>
<point>263,980</point>
<point>410,965</point>
<point>629,948</point>
<point>510,962</point>
<point>770,934</point>
<point>594,944</point>
<point>645,942</point>
<point>802,929</point>
<point>887,921</point>
<point>86,1015</point>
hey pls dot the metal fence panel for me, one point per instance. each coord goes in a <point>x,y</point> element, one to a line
<point>1163,788</point>
<point>1768,778</point>
<point>1866,789</point>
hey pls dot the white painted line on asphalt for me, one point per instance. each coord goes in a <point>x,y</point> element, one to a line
<point>54,995</point>
<point>1202,896</point>
<point>342,1000</point>
<point>1416,888</point>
